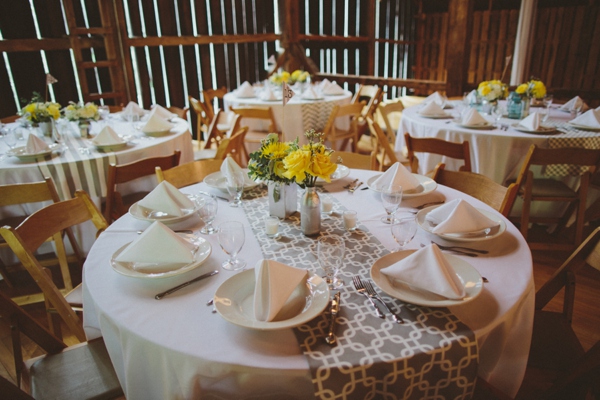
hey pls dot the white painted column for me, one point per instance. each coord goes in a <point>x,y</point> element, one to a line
<point>523,41</point>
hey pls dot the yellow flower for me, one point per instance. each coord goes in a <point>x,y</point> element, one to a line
<point>521,89</point>
<point>285,76</point>
<point>296,164</point>
<point>538,89</point>
<point>279,169</point>
<point>485,90</point>
<point>296,74</point>
<point>30,108</point>
<point>54,110</point>
<point>275,150</point>
<point>322,167</point>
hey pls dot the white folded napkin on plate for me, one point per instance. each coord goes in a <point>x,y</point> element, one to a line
<point>431,109</point>
<point>310,94</point>
<point>574,104</point>
<point>396,174</point>
<point>158,244</point>
<point>427,269</point>
<point>268,94</point>
<point>275,282</point>
<point>245,90</point>
<point>436,97</point>
<point>333,89</point>
<point>229,167</point>
<point>589,118</point>
<point>533,121</point>
<point>323,84</point>
<point>107,137</point>
<point>156,124</point>
<point>35,145</point>
<point>168,199</point>
<point>162,112</point>
<point>472,118</point>
<point>458,216</point>
<point>132,108</point>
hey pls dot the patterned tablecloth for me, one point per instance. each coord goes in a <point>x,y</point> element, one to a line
<point>431,355</point>
<point>569,136</point>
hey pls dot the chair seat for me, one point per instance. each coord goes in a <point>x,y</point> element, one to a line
<point>552,188</point>
<point>75,296</point>
<point>204,154</point>
<point>366,144</point>
<point>255,136</point>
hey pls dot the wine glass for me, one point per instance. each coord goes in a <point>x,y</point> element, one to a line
<point>330,253</point>
<point>104,111</point>
<point>403,231</point>
<point>231,239</point>
<point>207,211</point>
<point>498,112</point>
<point>548,98</point>
<point>391,196</point>
<point>10,138</point>
<point>235,187</point>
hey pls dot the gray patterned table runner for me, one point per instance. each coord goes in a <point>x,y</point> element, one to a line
<point>432,355</point>
<point>570,136</point>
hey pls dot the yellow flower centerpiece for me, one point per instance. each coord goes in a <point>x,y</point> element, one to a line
<point>290,78</point>
<point>38,110</point>
<point>492,91</point>
<point>79,112</point>
<point>534,89</point>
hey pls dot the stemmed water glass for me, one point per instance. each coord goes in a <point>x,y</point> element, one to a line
<point>498,112</point>
<point>104,111</point>
<point>235,187</point>
<point>548,98</point>
<point>10,138</point>
<point>330,253</point>
<point>207,211</point>
<point>403,231</point>
<point>391,196</point>
<point>231,239</point>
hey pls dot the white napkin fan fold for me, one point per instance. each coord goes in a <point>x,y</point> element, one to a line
<point>157,124</point>
<point>399,175</point>
<point>431,108</point>
<point>589,118</point>
<point>35,145</point>
<point>168,199</point>
<point>107,136</point>
<point>532,121</point>
<point>473,118</point>
<point>458,216</point>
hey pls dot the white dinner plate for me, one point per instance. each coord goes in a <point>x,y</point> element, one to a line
<point>542,130</point>
<point>110,147</point>
<point>163,270</point>
<point>146,214</point>
<point>341,172</point>
<point>435,116</point>
<point>486,234</point>
<point>428,185</point>
<point>584,127</point>
<point>466,272</point>
<point>22,154</point>
<point>234,300</point>
<point>315,99</point>
<point>486,125</point>
<point>217,180</point>
<point>158,133</point>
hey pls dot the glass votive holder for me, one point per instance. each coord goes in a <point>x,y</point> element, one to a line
<point>326,204</point>
<point>272,227</point>
<point>350,220</point>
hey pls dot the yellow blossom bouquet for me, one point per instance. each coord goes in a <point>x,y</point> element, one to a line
<point>297,76</point>
<point>534,89</point>
<point>492,90</point>
<point>81,112</point>
<point>39,110</point>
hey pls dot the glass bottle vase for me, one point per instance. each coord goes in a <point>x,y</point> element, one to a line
<point>310,212</point>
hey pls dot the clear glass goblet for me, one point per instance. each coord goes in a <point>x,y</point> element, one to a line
<point>391,196</point>
<point>548,99</point>
<point>231,239</point>
<point>403,231</point>
<point>207,206</point>
<point>10,138</point>
<point>330,253</point>
<point>235,187</point>
<point>498,112</point>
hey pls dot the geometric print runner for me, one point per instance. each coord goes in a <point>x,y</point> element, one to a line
<point>432,355</point>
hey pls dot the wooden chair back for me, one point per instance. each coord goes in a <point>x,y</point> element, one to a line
<point>116,204</point>
<point>188,173</point>
<point>355,160</point>
<point>47,222</point>
<point>180,112</point>
<point>333,134</point>
<point>259,113</point>
<point>372,95</point>
<point>481,187</point>
<point>210,95</point>
<point>388,112</point>
<point>202,117</point>
<point>384,153</point>
<point>236,148</point>
<point>460,151</point>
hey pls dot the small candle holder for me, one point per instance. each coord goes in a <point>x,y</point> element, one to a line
<point>272,227</point>
<point>350,220</point>
<point>326,205</point>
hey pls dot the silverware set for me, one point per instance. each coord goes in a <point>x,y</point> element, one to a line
<point>366,289</point>
<point>335,309</point>
<point>176,288</point>
<point>352,186</point>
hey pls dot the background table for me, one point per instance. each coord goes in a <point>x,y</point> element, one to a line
<point>176,348</point>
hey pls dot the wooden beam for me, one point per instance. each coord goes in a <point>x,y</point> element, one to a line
<point>341,39</point>
<point>419,84</point>
<point>371,37</point>
<point>460,17</point>
<point>201,39</point>
<point>24,45</point>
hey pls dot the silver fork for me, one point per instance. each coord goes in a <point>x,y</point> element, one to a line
<point>353,188</point>
<point>358,285</point>
<point>373,294</point>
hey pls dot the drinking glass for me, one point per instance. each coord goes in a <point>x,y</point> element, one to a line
<point>498,112</point>
<point>330,253</point>
<point>548,98</point>
<point>103,111</point>
<point>10,138</point>
<point>391,196</point>
<point>207,211</point>
<point>231,239</point>
<point>403,231</point>
<point>235,187</point>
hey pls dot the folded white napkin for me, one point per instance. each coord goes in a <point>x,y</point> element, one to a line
<point>458,216</point>
<point>333,89</point>
<point>158,244</point>
<point>310,94</point>
<point>574,104</point>
<point>245,90</point>
<point>323,84</point>
<point>35,145</point>
<point>436,97</point>
<point>162,112</point>
<point>472,97</point>
<point>268,94</point>
<point>532,121</point>
<point>168,199</point>
<point>399,175</point>
<point>156,124</point>
<point>107,136</point>
<point>275,282</point>
<point>132,108</point>
<point>589,118</point>
<point>229,167</point>
<point>432,108</point>
<point>428,270</point>
<point>472,118</point>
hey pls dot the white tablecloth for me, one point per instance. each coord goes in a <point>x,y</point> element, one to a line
<point>176,348</point>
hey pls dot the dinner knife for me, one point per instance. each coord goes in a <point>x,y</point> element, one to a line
<point>335,308</point>
<point>176,288</point>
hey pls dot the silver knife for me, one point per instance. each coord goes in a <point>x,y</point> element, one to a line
<point>176,288</point>
<point>335,308</point>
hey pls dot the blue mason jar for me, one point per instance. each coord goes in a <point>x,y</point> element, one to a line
<point>514,106</point>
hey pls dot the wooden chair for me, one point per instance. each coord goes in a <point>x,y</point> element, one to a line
<point>47,222</point>
<point>333,134</point>
<point>389,112</point>
<point>188,173</point>
<point>460,151</point>
<point>76,372</point>
<point>10,118</point>
<point>215,136</point>
<point>355,160</point>
<point>210,95</point>
<point>116,204</point>
<point>384,153</point>
<point>548,189</point>
<point>236,147</point>
<point>481,187</point>
<point>202,118</point>
<point>180,112</point>
<point>372,96</point>
<point>260,115</point>
<point>558,366</point>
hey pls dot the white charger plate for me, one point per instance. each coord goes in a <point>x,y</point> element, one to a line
<point>22,154</point>
<point>217,180</point>
<point>486,125</point>
<point>234,300</point>
<point>163,270</point>
<point>435,116</point>
<point>144,214</point>
<point>158,133</point>
<point>542,130</point>
<point>584,127</point>
<point>428,185</point>
<point>110,147</point>
<point>466,272</point>
<point>463,237</point>
<point>341,172</point>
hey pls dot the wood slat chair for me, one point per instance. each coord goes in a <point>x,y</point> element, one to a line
<point>355,160</point>
<point>202,119</point>
<point>27,193</point>
<point>350,136</point>
<point>547,189</point>
<point>116,204</point>
<point>51,221</point>
<point>215,136</point>
<point>481,187</point>
<point>253,116</point>
<point>76,372</point>
<point>460,151</point>
<point>180,112</point>
<point>390,113</point>
<point>210,95</point>
<point>558,366</point>
<point>236,147</point>
<point>384,153</point>
<point>372,95</point>
<point>188,173</point>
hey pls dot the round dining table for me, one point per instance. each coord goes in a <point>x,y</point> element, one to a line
<point>178,347</point>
